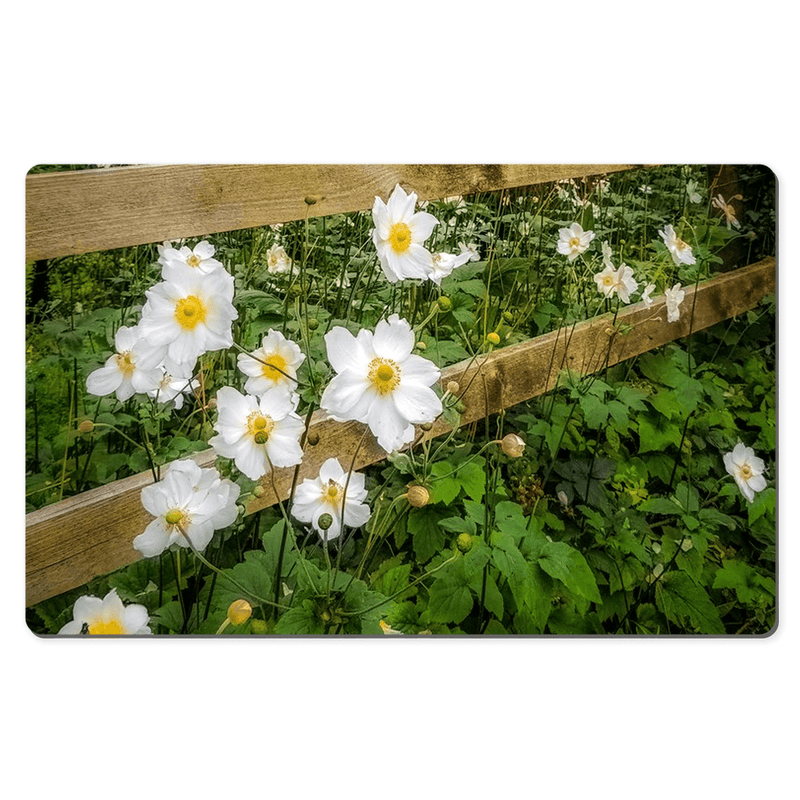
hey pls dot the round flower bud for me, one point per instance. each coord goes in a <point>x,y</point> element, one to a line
<point>464,542</point>
<point>508,317</point>
<point>261,437</point>
<point>453,387</point>
<point>311,199</point>
<point>258,491</point>
<point>492,338</point>
<point>86,426</point>
<point>313,324</point>
<point>295,290</point>
<point>444,303</point>
<point>418,496</point>
<point>212,403</point>
<point>426,426</point>
<point>512,445</point>
<point>239,612</point>
<point>325,521</point>
<point>421,346</point>
<point>312,438</point>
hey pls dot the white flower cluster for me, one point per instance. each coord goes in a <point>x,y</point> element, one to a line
<point>189,312</point>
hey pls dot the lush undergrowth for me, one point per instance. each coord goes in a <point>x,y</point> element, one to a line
<point>619,514</point>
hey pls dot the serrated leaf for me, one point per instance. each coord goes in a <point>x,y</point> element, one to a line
<point>660,505</point>
<point>450,600</point>
<point>678,597</point>
<point>428,537</point>
<point>565,563</point>
<point>300,620</point>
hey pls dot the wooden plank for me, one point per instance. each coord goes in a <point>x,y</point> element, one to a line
<point>68,213</point>
<point>77,539</point>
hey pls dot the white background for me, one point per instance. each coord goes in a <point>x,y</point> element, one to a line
<point>417,83</point>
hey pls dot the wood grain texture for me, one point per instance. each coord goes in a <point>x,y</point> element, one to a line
<point>68,213</point>
<point>69,543</point>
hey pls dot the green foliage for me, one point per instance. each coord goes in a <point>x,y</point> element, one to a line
<point>619,517</point>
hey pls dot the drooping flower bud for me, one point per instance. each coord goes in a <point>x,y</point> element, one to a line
<point>512,445</point>
<point>239,612</point>
<point>418,496</point>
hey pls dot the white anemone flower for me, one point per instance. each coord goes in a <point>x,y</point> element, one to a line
<point>277,260</point>
<point>190,315</point>
<point>747,470</point>
<point>626,283</point>
<point>189,502</point>
<point>108,616</point>
<point>442,264</point>
<point>174,262</point>
<point>398,236</point>
<point>674,298</point>
<point>472,249</point>
<point>258,432</point>
<point>680,251</point>
<point>648,290</point>
<point>172,389</point>
<point>380,382</point>
<point>133,369</point>
<point>275,363</point>
<point>573,241</point>
<point>336,492</point>
<point>606,281</point>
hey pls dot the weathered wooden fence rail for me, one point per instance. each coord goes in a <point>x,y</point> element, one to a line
<point>69,543</point>
<point>68,213</point>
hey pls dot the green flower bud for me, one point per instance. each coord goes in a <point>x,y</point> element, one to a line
<point>258,491</point>
<point>444,303</point>
<point>421,346</point>
<point>313,324</point>
<point>325,521</point>
<point>312,438</point>
<point>464,542</point>
<point>508,317</point>
<point>493,338</point>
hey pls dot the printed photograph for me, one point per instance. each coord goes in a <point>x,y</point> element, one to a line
<point>376,400</point>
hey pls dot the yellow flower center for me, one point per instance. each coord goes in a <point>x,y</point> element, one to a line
<point>125,363</point>
<point>331,493</point>
<point>746,472</point>
<point>400,237</point>
<point>173,517</point>
<point>193,261</point>
<point>574,242</point>
<point>111,627</point>
<point>680,244</point>
<point>190,311</point>
<point>608,280</point>
<point>384,374</point>
<point>274,367</point>
<point>259,426</point>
